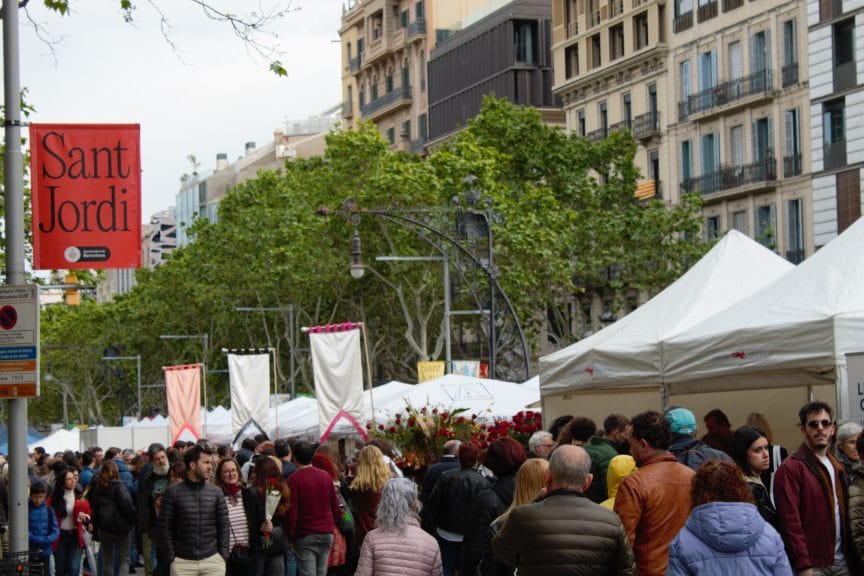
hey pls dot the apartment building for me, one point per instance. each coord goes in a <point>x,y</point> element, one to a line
<point>836,60</point>
<point>385,48</point>
<point>500,48</point>
<point>740,112</point>
<point>610,68</point>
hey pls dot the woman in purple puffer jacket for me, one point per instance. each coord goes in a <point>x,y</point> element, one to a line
<point>725,534</point>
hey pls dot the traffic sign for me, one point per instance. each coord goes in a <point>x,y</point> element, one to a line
<point>19,341</point>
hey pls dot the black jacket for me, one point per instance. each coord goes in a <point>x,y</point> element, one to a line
<point>112,508</point>
<point>491,502</point>
<point>450,503</point>
<point>193,521</point>
<point>150,488</point>
<point>434,473</point>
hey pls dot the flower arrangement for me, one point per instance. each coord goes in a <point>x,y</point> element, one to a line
<point>272,498</point>
<point>420,434</point>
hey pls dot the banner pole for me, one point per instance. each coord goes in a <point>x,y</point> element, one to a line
<point>203,368</point>
<point>368,367</point>
<point>275,392</point>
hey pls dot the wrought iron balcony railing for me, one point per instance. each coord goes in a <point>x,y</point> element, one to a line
<point>733,177</point>
<point>646,125</point>
<point>755,83</point>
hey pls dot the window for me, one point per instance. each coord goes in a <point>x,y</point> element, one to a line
<point>739,221</point>
<point>406,129</point>
<point>361,97</point>
<point>640,31</point>
<point>790,52</point>
<point>595,51</point>
<point>525,40</point>
<point>360,46</point>
<point>686,162</point>
<point>421,126</point>
<point>684,87</point>
<point>419,13</point>
<point>736,70</point>
<point>683,7</point>
<point>377,23</point>
<point>348,51</point>
<point>571,61</point>
<point>652,99</point>
<point>712,228</point>
<point>627,109</point>
<point>374,89</point>
<point>763,139</point>
<point>388,83</point>
<point>766,226</point>
<point>736,146</point>
<point>794,231</point>
<point>707,78</point>
<point>760,61</point>
<point>580,122</point>
<point>391,135</point>
<point>422,69</point>
<point>792,143</point>
<point>350,96</point>
<point>834,134</point>
<point>844,54</point>
<point>403,19</point>
<point>710,154</point>
<point>406,78</point>
<point>604,118</point>
<point>616,41</point>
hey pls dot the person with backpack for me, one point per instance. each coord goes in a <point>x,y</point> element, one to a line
<point>43,527</point>
<point>114,515</point>
<point>688,449</point>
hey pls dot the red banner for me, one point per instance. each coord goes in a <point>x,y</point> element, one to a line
<point>86,195</point>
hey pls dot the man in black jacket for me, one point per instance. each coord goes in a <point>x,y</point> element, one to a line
<point>563,532</point>
<point>193,520</point>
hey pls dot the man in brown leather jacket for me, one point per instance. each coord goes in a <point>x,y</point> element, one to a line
<point>654,501</point>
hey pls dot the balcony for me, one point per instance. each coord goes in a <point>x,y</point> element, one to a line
<point>418,145</point>
<point>789,72</point>
<point>401,95</point>
<point>616,8</point>
<point>725,93</point>
<point>623,125</point>
<point>729,5</point>
<point>646,125</point>
<point>708,10</point>
<point>417,28</point>
<point>572,29</point>
<point>762,172</point>
<point>347,109</point>
<point>834,155</point>
<point>792,165</point>
<point>682,22</point>
<point>354,64</point>
<point>593,18</point>
<point>844,76</point>
<point>597,135</point>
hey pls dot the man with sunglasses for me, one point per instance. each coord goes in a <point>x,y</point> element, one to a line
<point>810,495</point>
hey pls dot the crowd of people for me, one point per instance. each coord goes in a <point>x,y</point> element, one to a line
<point>646,496</point>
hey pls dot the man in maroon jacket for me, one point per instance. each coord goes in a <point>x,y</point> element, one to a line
<point>313,513</point>
<point>809,491</point>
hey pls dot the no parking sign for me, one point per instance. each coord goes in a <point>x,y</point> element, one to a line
<point>19,341</point>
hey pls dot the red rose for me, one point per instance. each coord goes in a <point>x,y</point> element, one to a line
<point>368,425</point>
<point>381,427</point>
<point>434,410</point>
<point>392,429</point>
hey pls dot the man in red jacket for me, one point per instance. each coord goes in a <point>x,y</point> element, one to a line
<point>809,492</point>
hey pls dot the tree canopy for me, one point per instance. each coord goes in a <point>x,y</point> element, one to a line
<point>563,214</point>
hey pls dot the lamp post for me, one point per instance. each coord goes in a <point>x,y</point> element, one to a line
<point>137,359</point>
<point>431,225</point>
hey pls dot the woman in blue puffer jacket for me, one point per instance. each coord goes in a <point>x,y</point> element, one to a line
<point>725,534</point>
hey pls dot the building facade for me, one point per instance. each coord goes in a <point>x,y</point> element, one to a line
<point>836,60</point>
<point>610,59</point>
<point>385,48</point>
<point>741,113</point>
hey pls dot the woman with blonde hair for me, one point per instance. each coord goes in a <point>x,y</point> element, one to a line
<point>372,474</point>
<point>531,481</point>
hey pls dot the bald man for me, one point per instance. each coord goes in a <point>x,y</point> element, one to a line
<point>563,532</point>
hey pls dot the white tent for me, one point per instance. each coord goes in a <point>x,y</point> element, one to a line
<point>489,399</point>
<point>59,441</point>
<point>628,353</point>
<point>793,333</point>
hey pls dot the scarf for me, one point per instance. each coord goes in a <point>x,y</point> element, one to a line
<point>231,490</point>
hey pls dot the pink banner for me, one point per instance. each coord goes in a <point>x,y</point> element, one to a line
<point>183,388</point>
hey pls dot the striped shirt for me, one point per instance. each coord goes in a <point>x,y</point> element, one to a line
<point>239,533</point>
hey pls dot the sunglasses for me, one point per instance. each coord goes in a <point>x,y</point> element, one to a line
<point>815,424</point>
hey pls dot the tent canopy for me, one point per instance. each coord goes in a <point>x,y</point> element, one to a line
<point>794,332</point>
<point>628,352</point>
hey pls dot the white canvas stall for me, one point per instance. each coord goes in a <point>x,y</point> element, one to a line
<point>59,441</point>
<point>489,399</point>
<point>628,353</point>
<point>794,332</point>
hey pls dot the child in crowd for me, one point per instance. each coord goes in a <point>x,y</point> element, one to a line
<point>44,529</point>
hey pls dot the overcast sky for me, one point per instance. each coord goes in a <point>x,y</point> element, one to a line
<point>214,100</point>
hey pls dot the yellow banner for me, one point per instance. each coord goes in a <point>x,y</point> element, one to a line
<point>429,370</point>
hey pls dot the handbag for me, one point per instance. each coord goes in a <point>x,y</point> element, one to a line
<point>241,555</point>
<point>346,520</point>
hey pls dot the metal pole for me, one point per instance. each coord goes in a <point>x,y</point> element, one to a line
<point>65,412</point>
<point>140,407</point>
<point>493,337</point>
<point>447,348</point>
<point>14,207</point>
